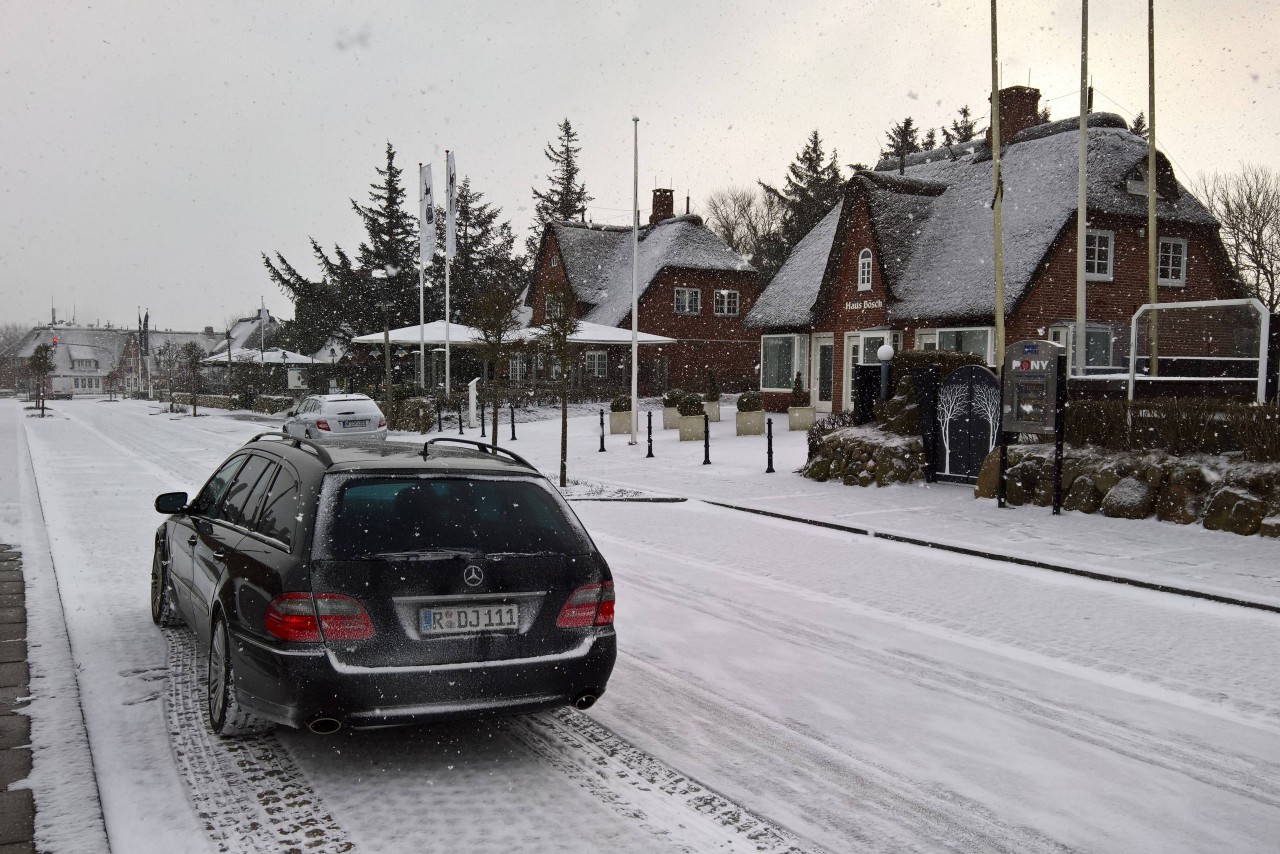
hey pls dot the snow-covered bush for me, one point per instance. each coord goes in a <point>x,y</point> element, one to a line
<point>621,403</point>
<point>690,404</point>
<point>671,399</point>
<point>750,401</point>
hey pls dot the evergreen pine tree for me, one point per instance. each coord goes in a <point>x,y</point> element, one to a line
<point>962,129</point>
<point>902,141</point>
<point>484,258</point>
<point>1139,126</point>
<point>811,188</point>
<point>566,197</point>
<point>930,141</point>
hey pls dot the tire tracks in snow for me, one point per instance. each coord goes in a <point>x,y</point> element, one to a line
<point>642,788</point>
<point>1244,775</point>
<point>248,793</point>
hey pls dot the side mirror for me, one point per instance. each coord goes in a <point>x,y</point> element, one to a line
<point>171,502</point>
<point>291,413</point>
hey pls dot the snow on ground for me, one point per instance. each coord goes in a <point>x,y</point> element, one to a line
<point>774,678</point>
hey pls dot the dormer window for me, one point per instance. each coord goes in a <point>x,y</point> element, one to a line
<point>864,270</point>
<point>555,260</point>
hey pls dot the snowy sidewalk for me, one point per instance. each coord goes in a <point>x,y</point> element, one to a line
<point>1149,551</point>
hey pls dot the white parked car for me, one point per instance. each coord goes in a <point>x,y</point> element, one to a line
<point>322,417</point>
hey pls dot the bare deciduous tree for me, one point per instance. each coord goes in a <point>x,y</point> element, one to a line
<point>1247,206</point>
<point>11,334</point>
<point>746,219</point>
<point>952,405</point>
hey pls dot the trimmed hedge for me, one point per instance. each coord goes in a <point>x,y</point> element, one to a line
<point>672,398</point>
<point>1179,426</point>
<point>903,363</point>
<point>621,403</point>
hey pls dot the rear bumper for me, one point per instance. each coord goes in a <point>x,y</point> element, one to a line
<point>294,687</point>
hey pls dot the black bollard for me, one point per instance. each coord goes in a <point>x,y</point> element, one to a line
<point>768,429</point>
<point>513,422</point>
<point>706,439</point>
<point>439,417</point>
<point>602,431</point>
<point>482,419</point>
<point>649,415</point>
<point>461,432</point>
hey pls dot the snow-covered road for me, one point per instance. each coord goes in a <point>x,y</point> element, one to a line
<point>779,687</point>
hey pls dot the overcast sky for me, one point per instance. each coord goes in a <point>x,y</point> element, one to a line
<point>150,151</point>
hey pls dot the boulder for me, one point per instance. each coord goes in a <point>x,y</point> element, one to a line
<point>1178,503</point>
<point>1015,494</point>
<point>819,470</point>
<point>1270,527</point>
<point>1234,510</point>
<point>1083,495</point>
<point>1043,495</point>
<point>890,466</point>
<point>1106,479</point>
<point>988,476</point>
<point>864,478</point>
<point>1154,476</point>
<point>1130,498</point>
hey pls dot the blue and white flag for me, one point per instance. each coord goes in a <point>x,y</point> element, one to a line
<point>451,207</point>
<point>426,216</point>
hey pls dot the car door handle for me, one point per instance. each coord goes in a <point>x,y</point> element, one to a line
<point>219,554</point>
<point>191,540</point>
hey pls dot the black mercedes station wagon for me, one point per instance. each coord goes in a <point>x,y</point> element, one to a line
<point>374,584</point>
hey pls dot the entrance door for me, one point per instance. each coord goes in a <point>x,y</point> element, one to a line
<point>823,381</point>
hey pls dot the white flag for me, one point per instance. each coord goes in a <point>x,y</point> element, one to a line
<point>426,216</point>
<point>451,206</point>
<point>263,314</point>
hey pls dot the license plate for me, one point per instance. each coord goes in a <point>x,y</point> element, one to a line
<point>468,618</point>
<point>361,422</point>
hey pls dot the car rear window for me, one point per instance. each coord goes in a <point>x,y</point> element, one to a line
<point>355,407</point>
<point>366,516</point>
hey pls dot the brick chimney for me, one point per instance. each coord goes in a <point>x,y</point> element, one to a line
<point>664,206</point>
<point>1019,110</point>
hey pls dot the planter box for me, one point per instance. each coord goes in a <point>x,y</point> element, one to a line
<point>670,418</point>
<point>800,417</point>
<point>619,422</point>
<point>691,428</point>
<point>712,409</point>
<point>750,423</point>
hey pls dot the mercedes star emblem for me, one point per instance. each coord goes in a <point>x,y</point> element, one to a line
<point>473,575</point>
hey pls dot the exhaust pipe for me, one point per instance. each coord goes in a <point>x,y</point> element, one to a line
<point>322,725</point>
<point>584,702</point>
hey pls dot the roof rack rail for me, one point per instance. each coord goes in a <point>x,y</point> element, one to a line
<point>483,446</point>
<point>316,449</point>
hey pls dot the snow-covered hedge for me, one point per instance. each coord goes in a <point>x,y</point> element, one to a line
<point>1179,426</point>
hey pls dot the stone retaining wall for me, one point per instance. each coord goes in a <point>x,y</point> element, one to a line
<point>862,456</point>
<point>1222,493</point>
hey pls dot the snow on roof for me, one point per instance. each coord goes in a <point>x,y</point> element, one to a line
<point>950,272</point>
<point>933,225</point>
<point>790,296</point>
<point>92,343</point>
<point>597,260</point>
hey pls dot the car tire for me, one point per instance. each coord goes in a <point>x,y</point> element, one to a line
<point>226,716</point>
<point>163,614</point>
<point>309,437</point>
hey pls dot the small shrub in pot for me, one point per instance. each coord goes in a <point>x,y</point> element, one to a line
<point>750,401</point>
<point>621,403</point>
<point>799,397</point>
<point>690,404</point>
<point>671,399</point>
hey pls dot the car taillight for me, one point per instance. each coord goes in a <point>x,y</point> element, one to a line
<point>382,422</point>
<point>322,425</point>
<point>311,617</point>
<point>589,605</point>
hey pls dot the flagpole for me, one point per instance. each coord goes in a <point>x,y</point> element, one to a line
<point>1153,270</point>
<point>450,225</point>
<point>422,298</point>
<point>635,246</point>
<point>1082,212</point>
<point>997,198</point>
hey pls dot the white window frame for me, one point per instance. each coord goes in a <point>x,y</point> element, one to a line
<point>596,363</point>
<point>864,270</point>
<point>799,360</point>
<point>1095,276</point>
<point>516,368</point>
<point>1169,282</point>
<point>721,300</point>
<point>692,301</point>
<point>1064,334</point>
<point>933,335</point>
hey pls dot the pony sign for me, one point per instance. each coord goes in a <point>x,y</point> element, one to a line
<point>1033,403</point>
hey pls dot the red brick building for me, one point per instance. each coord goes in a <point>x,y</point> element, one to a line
<point>907,259</point>
<point>692,287</point>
